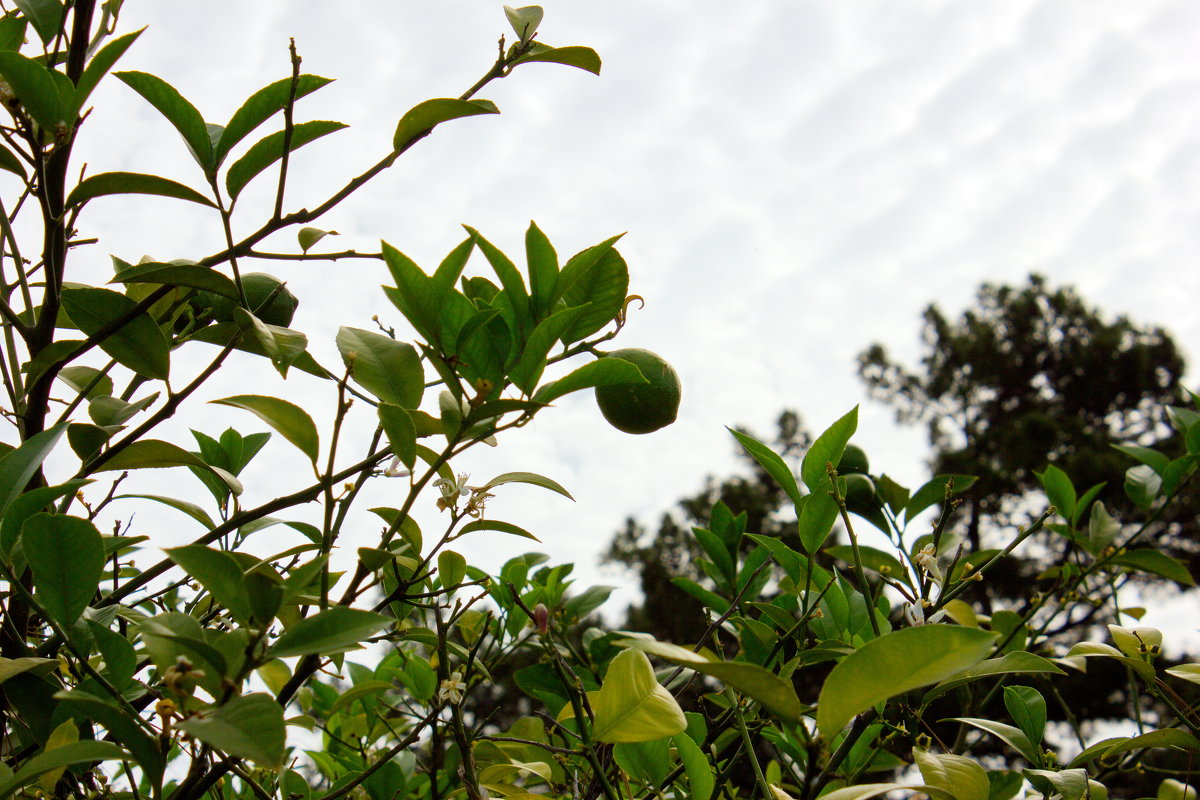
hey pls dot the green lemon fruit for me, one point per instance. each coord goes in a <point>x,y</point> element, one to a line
<point>258,287</point>
<point>853,460</point>
<point>641,407</point>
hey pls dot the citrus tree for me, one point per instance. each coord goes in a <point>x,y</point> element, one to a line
<point>239,665</point>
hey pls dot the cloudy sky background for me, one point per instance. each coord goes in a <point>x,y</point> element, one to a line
<point>797,180</point>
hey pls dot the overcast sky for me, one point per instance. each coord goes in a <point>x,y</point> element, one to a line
<point>796,180</point>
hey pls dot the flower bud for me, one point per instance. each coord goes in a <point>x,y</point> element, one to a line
<point>541,617</point>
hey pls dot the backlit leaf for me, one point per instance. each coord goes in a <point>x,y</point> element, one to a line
<point>386,368</point>
<point>250,727</point>
<point>425,116</point>
<point>287,418</point>
<point>67,558</point>
<point>827,449</point>
<point>329,631</point>
<point>269,149</point>
<point>631,706</point>
<point>138,344</point>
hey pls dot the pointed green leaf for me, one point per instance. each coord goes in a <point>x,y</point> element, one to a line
<point>307,237</point>
<point>289,419</point>
<point>66,555</point>
<point>138,344</point>
<point>1015,662</point>
<point>894,663</point>
<point>631,706</point>
<point>1150,457</point>
<point>749,679</point>
<point>700,777</point>
<point>779,471</point>
<point>192,276</point>
<point>452,567</point>
<point>1013,737</point>
<point>11,667</point>
<point>99,66</point>
<point>261,106</point>
<point>220,575</point>
<point>330,631</point>
<point>178,111</point>
<point>524,21</point>
<point>152,454</point>
<point>269,149</point>
<point>47,95</point>
<point>80,378</point>
<point>497,525</point>
<point>46,16</point>
<point>828,449</point>
<point>386,368</point>
<point>10,162</point>
<point>1142,485</point>
<point>817,515</point>
<point>543,270</point>
<point>112,411</point>
<point>584,58</point>
<point>250,727</point>
<point>958,775</point>
<point>132,183</point>
<point>1155,562</point>
<point>1059,490</point>
<point>601,372</point>
<point>118,723</point>
<point>1027,708</point>
<point>527,477</point>
<point>401,433</point>
<point>423,117</point>
<point>19,465</point>
<point>872,559</point>
<point>597,277</point>
<point>75,753</point>
<point>526,373</point>
<point>1166,737</point>
<point>865,791</point>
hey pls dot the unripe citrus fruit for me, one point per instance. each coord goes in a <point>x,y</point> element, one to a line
<point>641,407</point>
<point>258,287</point>
<point>854,459</point>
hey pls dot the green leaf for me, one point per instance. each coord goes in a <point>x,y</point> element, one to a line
<point>46,17</point>
<point>1146,455</point>
<point>178,111</point>
<point>817,515</point>
<point>872,559</point>
<point>935,492</point>
<point>192,276</point>
<point>28,504</point>
<point>584,58</point>
<point>864,791</point>
<point>1185,672</point>
<point>99,66</point>
<point>386,368</point>
<point>138,344</point>
<point>12,31</point>
<point>1166,737</point>
<point>543,270</point>
<point>140,745</point>
<point>1028,709</point>
<point>220,575</point>
<point>598,278</point>
<point>289,419</point>
<point>250,727</point>
<point>133,183</point>
<point>1013,737</point>
<point>1102,528</point>
<point>699,772</point>
<point>497,525</point>
<point>776,694</point>
<point>332,630</point>
<point>269,149</point>
<point>510,279</point>
<point>1142,485</point>
<point>66,555</point>
<point>527,477</point>
<point>261,106</point>
<point>423,117</point>
<point>152,454</point>
<point>112,411</point>
<point>452,568</point>
<point>120,660</point>
<point>775,466</point>
<point>645,762</point>
<point>1015,662</point>
<point>894,663</point>
<point>601,372</point>
<point>46,94</point>
<point>11,667</point>
<point>1155,562</point>
<point>631,706</point>
<point>18,466</point>
<point>526,373</point>
<point>401,433</point>
<point>524,21</point>
<point>9,162</point>
<point>827,449</point>
<point>1059,490</point>
<point>958,775</point>
<point>307,237</point>
<point>75,753</point>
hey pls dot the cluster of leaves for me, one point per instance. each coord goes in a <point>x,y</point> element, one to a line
<point>197,676</point>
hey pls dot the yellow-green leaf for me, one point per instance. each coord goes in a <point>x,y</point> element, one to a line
<point>631,706</point>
